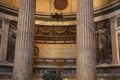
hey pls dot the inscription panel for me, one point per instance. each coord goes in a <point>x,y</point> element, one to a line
<point>56,50</point>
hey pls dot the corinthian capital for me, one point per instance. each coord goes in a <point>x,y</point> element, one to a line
<point>112,19</point>
<point>6,21</point>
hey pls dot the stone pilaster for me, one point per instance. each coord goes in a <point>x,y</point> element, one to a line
<point>23,61</point>
<point>113,41</point>
<point>4,39</point>
<point>86,63</point>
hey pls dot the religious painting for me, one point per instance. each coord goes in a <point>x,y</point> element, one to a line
<point>11,41</point>
<point>103,41</point>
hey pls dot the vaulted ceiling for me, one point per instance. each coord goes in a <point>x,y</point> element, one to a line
<point>47,6</point>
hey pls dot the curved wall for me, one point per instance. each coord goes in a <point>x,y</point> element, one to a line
<point>49,5</point>
<point>102,11</point>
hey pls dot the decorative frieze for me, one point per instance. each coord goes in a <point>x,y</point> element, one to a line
<point>55,33</point>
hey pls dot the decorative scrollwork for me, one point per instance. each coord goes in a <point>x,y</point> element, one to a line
<point>72,29</point>
<point>45,29</point>
<point>36,50</point>
<point>55,32</point>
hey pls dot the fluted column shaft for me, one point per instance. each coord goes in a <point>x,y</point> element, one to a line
<point>85,41</point>
<point>24,42</point>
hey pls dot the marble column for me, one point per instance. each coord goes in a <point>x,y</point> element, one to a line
<point>86,64</point>
<point>4,39</point>
<point>23,61</point>
<point>113,40</point>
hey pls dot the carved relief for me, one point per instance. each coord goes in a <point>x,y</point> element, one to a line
<point>60,30</point>
<point>103,38</point>
<point>55,33</point>
<point>43,31</point>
